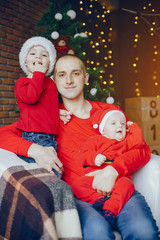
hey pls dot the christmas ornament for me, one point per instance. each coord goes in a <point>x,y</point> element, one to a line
<point>83,34</point>
<point>93,91</point>
<point>76,35</point>
<point>110,100</point>
<point>58,16</point>
<point>62,45</point>
<point>71,14</point>
<point>54,35</point>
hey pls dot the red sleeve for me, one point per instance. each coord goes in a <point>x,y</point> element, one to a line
<point>132,160</point>
<point>134,138</point>
<point>28,90</point>
<point>137,155</point>
<point>11,140</point>
<point>88,152</point>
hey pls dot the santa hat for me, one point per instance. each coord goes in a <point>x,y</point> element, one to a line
<point>37,41</point>
<point>100,116</point>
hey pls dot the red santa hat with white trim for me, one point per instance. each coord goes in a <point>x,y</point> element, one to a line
<point>99,117</point>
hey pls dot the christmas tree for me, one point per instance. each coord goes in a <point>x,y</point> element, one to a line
<point>65,19</point>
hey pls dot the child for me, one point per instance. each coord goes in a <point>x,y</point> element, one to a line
<point>100,150</point>
<point>37,95</point>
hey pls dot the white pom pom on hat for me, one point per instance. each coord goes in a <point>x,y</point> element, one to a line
<point>37,41</point>
<point>99,117</point>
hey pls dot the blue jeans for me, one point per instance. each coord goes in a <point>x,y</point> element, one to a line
<point>134,222</point>
<point>43,139</point>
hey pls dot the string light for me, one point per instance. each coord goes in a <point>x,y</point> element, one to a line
<point>102,40</point>
<point>152,32</point>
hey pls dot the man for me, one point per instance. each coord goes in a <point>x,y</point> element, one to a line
<point>135,220</point>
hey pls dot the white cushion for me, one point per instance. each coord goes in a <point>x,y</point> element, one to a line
<point>147,182</point>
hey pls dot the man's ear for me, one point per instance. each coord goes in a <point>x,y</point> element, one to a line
<point>86,77</point>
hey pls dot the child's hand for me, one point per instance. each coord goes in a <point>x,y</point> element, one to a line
<point>39,67</point>
<point>100,159</point>
<point>65,115</point>
<point>129,123</point>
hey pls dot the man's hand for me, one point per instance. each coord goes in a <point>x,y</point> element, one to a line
<point>104,179</point>
<point>46,157</point>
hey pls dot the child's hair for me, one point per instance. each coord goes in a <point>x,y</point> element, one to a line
<point>37,41</point>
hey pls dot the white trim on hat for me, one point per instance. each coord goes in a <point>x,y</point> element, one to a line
<point>106,116</point>
<point>35,41</point>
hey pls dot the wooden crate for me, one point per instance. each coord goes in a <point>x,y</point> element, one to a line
<point>151,132</point>
<point>155,149</point>
<point>142,109</point>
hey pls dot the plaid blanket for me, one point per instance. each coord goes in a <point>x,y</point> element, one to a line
<point>36,205</point>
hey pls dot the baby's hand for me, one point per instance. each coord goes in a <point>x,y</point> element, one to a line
<point>100,159</point>
<point>65,115</point>
<point>38,67</point>
<point>129,123</point>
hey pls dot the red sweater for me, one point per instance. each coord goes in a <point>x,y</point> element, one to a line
<point>34,98</point>
<point>71,136</point>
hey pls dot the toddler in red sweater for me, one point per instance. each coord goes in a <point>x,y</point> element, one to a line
<point>101,150</point>
<point>37,95</point>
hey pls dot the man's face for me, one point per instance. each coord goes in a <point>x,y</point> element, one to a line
<point>70,77</point>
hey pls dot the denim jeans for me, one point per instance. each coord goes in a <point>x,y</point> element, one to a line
<point>134,222</point>
<point>43,139</point>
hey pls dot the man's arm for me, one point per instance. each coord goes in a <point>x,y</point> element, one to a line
<point>125,164</point>
<point>11,140</point>
<point>45,157</point>
<point>134,138</point>
<point>135,159</point>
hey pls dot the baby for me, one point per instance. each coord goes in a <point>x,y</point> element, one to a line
<point>117,136</point>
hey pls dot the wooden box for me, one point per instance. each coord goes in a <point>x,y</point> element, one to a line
<point>151,132</point>
<point>142,109</point>
<point>155,149</point>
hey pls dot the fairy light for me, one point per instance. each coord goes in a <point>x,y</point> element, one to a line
<point>148,8</point>
<point>136,58</point>
<point>101,41</point>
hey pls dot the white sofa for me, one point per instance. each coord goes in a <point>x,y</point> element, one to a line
<point>146,180</point>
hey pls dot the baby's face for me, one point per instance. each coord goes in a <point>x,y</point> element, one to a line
<point>115,127</point>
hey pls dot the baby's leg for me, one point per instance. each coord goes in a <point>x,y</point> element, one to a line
<point>121,193</point>
<point>82,189</point>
